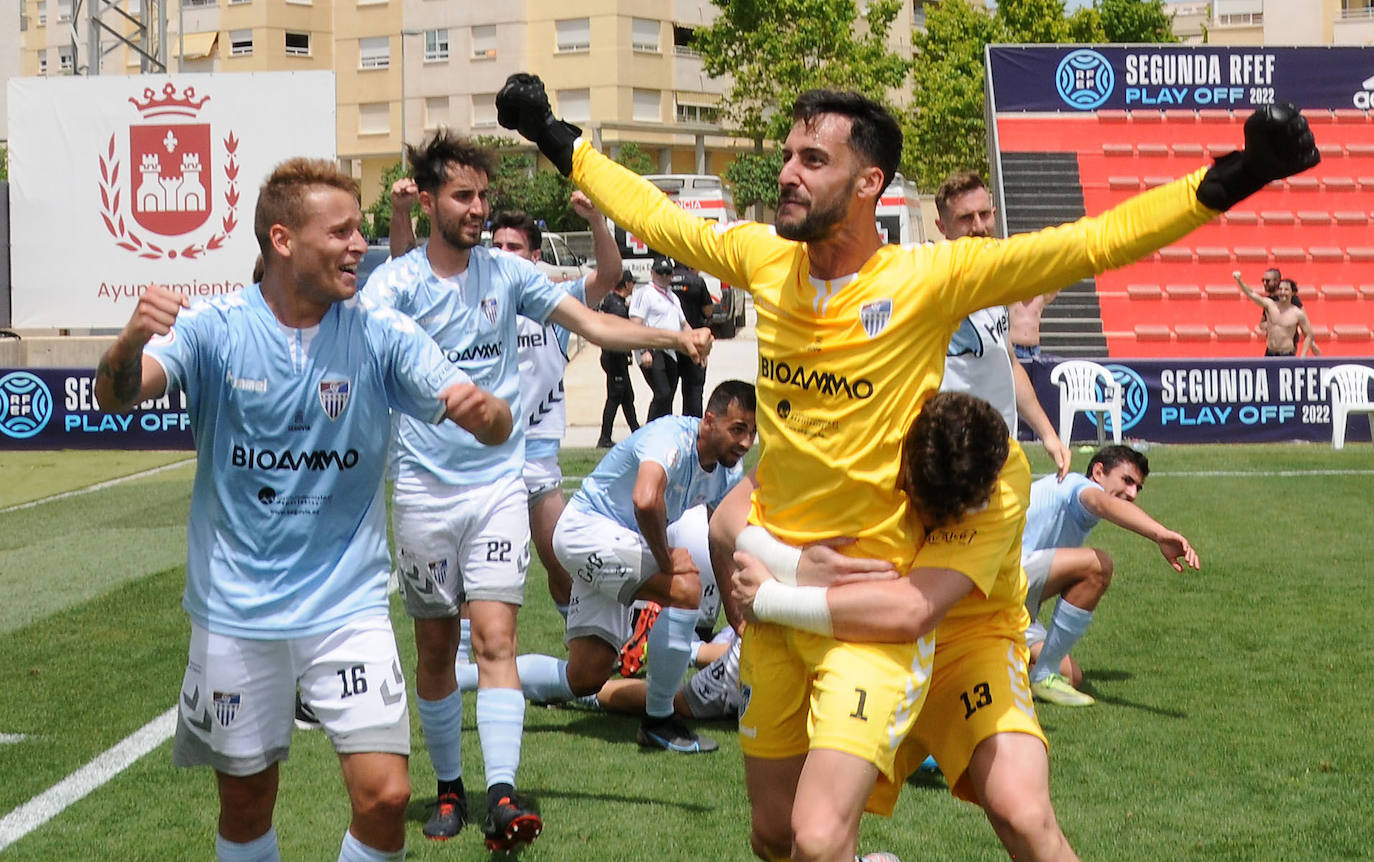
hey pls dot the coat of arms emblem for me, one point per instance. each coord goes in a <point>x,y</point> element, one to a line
<point>170,186</point>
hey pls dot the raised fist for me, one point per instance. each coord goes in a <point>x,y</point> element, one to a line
<point>1278,143</point>
<point>523,106</point>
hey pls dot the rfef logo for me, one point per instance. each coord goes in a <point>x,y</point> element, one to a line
<point>1084,79</point>
<point>25,405</point>
<point>169,186</point>
<point>1135,397</point>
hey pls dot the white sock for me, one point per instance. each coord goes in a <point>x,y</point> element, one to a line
<point>260,849</point>
<point>354,850</point>
<point>669,653</point>
<point>442,723</point>
<point>500,725</point>
<point>543,678</point>
<point>1066,626</point>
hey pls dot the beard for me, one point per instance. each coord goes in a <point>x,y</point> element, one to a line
<point>818,223</point>
<point>452,233</point>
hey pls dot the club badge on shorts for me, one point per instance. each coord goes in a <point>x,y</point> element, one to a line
<point>226,706</point>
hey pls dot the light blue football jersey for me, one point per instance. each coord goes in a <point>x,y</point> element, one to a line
<point>287,534</point>
<point>1055,517</point>
<point>472,316</point>
<point>543,359</point>
<point>670,441</point>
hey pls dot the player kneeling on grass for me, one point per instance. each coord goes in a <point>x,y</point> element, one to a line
<point>968,484</point>
<point>1060,516</point>
<point>290,384</point>
<point>616,538</point>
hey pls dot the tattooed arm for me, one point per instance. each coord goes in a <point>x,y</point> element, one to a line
<point>125,376</point>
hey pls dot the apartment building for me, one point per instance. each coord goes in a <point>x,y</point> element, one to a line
<point>625,71</point>
<point>1276,22</point>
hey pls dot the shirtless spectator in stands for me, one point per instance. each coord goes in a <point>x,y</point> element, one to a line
<point>1285,320</point>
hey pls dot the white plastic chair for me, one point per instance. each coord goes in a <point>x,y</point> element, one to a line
<point>1079,382</point>
<point>1349,388</point>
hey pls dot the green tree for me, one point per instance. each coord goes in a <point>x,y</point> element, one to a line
<point>775,49</point>
<point>753,178</point>
<point>634,158</point>
<point>4,164</point>
<point>1032,21</point>
<point>1136,21</point>
<point>945,129</point>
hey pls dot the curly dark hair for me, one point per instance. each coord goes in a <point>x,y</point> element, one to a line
<point>873,133</point>
<point>952,455</point>
<point>429,162</point>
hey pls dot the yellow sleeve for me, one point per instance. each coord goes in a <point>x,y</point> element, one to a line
<point>986,272</point>
<point>729,252</point>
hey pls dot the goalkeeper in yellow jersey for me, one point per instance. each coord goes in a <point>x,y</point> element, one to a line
<point>852,336</point>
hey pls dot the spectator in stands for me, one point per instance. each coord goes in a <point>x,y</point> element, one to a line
<point>620,394</point>
<point>1025,325</point>
<point>1270,280</point>
<point>1284,320</point>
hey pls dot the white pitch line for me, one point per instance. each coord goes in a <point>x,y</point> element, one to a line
<point>1263,474</point>
<point>12,738</point>
<point>51,802</point>
<point>98,486</point>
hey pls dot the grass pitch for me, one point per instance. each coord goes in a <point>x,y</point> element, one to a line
<point>1232,720</point>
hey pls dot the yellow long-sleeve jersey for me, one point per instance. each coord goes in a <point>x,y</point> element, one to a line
<point>844,364</point>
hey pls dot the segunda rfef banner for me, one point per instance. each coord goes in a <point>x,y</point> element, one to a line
<point>121,182</point>
<point>55,408</point>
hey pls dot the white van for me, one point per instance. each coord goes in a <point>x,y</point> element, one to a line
<point>899,213</point>
<point>705,196</point>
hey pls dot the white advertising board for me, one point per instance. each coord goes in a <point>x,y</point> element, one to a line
<point>121,182</point>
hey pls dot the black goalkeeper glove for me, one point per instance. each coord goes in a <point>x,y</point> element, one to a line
<point>1278,144</point>
<point>522,105</point>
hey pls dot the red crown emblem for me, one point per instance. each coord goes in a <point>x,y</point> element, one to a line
<point>153,106</point>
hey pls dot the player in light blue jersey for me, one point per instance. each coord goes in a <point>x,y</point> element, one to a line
<point>622,537</point>
<point>460,521</point>
<point>543,358</point>
<point>289,384</point>
<point>978,360</point>
<point>1059,517</point>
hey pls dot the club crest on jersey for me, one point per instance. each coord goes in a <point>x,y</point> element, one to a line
<point>438,571</point>
<point>875,315</point>
<point>333,397</point>
<point>489,310</point>
<point>226,706</point>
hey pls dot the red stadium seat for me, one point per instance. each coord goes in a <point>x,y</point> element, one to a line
<point>1327,254</point>
<point>1276,217</point>
<point>1350,217</point>
<point>1290,254</point>
<point>1113,117</point>
<point>1154,332</point>
<point>1350,332</point>
<point>1224,292</point>
<point>1241,217</point>
<point>1302,183</point>
<point>1151,117</point>
<point>1152,150</point>
<point>1130,184</point>
<point>1360,150</point>
<point>1125,150</point>
<point>1213,254</point>
<point>1338,184</point>
<point>1252,254</point>
<point>1360,254</point>
<point>1233,332</point>
<point>1313,218</point>
<point>1188,150</point>
<point>1143,291</point>
<point>1348,116</point>
<point>1157,181</point>
<point>1176,254</point>
<point>1366,291</point>
<point>1183,291</point>
<point>1339,292</point>
<point>1193,332</point>
<point>1214,115</point>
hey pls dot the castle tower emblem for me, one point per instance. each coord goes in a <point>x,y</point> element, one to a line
<point>171,187</point>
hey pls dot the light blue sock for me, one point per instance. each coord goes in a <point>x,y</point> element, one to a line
<point>354,850</point>
<point>442,722</point>
<point>466,671</point>
<point>260,849</point>
<point>543,678</point>
<point>588,701</point>
<point>500,724</point>
<point>464,640</point>
<point>1066,626</point>
<point>670,651</point>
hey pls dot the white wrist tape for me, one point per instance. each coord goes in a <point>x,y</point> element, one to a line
<point>778,557</point>
<point>799,607</point>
